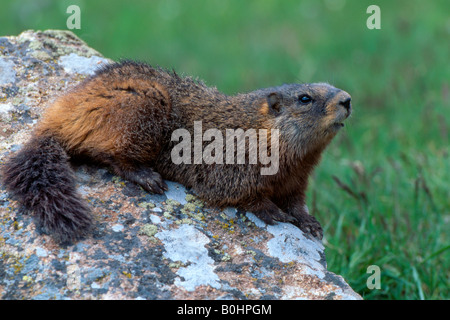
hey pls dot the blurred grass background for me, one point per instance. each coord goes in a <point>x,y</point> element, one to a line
<point>382,190</point>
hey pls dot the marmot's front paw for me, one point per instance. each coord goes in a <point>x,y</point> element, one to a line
<point>308,224</point>
<point>270,216</point>
<point>270,213</point>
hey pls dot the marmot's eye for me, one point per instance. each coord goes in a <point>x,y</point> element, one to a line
<point>304,99</point>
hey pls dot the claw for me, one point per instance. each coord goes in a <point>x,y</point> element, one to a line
<point>308,224</point>
<point>148,179</point>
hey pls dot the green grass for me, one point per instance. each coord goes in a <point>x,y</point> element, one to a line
<point>389,201</point>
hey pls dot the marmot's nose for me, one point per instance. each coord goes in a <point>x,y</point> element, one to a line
<point>346,102</point>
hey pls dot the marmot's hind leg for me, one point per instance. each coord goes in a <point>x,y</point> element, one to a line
<point>146,177</point>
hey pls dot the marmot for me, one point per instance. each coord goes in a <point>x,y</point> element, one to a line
<point>124,117</point>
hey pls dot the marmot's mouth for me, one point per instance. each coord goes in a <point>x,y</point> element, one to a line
<point>338,124</point>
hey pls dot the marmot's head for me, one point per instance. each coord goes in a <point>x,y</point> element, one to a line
<point>308,115</point>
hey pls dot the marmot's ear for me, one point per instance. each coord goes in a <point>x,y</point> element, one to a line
<point>274,100</point>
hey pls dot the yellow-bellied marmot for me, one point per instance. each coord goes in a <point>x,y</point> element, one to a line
<point>124,117</point>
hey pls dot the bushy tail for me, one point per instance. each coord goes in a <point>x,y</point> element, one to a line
<point>39,176</point>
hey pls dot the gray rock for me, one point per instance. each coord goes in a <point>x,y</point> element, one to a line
<point>187,245</point>
<point>7,72</point>
<point>40,252</point>
<point>176,192</point>
<point>144,246</point>
<point>74,63</point>
<point>117,227</point>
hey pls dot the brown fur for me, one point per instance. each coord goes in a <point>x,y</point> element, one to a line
<point>125,114</point>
